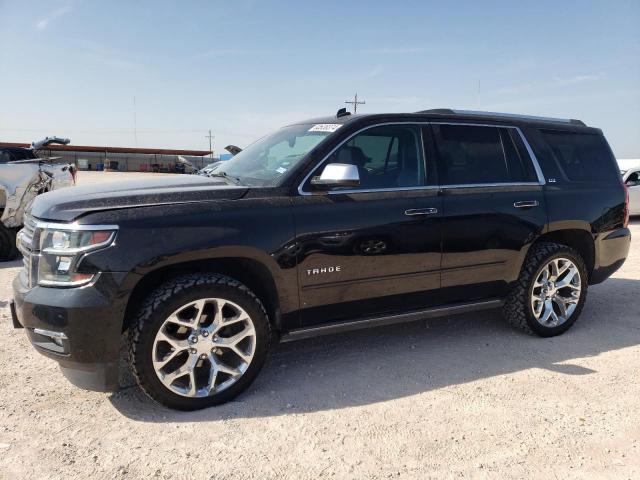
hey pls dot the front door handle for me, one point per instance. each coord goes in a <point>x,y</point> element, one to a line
<point>526,204</point>
<point>420,211</point>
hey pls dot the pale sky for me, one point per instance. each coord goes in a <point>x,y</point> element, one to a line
<point>244,68</point>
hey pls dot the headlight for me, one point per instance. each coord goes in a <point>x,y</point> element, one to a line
<point>61,251</point>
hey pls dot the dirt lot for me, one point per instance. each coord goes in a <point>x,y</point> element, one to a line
<point>460,397</point>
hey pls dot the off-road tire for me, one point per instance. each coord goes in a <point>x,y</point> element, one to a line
<point>8,250</point>
<point>165,300</point>
<point>517,308</point>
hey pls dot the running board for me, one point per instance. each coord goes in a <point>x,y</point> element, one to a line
<point>302,333</point>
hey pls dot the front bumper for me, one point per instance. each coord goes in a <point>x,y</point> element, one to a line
<point>80,328</point>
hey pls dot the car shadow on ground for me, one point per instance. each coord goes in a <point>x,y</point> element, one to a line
<point>386,363</point>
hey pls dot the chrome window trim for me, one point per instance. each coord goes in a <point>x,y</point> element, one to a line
<point>532,156</point>
<point>477,185</point>
<point>374,190</point>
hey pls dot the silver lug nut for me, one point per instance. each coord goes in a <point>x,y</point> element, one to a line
<point>203,356</point>
<point>193,339</point>
<point>205,333</point>
<point>192,351</point>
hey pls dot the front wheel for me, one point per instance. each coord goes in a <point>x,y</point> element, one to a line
<point>198,341</point>
<point>550,292</point>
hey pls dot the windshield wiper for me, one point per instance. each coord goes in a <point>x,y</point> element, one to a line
<point>233,180</point>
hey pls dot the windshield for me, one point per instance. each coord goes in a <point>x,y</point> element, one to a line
<point>263,162</point>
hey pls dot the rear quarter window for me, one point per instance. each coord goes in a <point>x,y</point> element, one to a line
<point>582,157</point>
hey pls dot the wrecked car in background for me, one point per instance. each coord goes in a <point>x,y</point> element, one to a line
<point>24,174</point>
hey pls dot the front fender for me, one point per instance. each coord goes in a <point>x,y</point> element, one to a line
<point>159,237</point>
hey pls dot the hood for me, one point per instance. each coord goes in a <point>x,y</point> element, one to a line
<point>68,204</point>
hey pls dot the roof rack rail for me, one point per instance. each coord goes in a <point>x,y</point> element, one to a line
<point>451,111</point>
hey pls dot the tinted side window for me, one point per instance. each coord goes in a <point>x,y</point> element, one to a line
<point>389,156</point>
<point>5,156</point>
<point>479,155</point>
<point>582,157</point>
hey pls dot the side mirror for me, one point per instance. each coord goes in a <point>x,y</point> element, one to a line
<point>337,175</point>
<point>232,149</point>
<point>632,182</point>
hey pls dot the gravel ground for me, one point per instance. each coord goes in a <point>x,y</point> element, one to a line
<point>464,397</point>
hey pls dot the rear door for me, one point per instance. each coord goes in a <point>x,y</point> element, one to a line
<point>493,207</point>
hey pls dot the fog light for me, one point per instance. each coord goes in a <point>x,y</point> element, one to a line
<point>49,340</point>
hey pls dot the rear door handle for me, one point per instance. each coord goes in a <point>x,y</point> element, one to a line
<point>420,211</point>
<point>526,204</point>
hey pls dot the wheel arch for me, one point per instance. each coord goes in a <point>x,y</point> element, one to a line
<point>580,240</point>
<point>251,272</point>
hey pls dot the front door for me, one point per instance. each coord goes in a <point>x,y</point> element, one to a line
<point>493,208</point>
<point>375,248</point>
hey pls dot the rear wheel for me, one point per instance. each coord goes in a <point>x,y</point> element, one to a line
<point>199,341</point>
<point>550,292</point>
<point>8,250</point>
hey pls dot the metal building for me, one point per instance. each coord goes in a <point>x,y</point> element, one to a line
<point>122,158</point>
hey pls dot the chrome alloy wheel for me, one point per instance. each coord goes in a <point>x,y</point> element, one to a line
<point>204,347</point>
<point>556,292</point>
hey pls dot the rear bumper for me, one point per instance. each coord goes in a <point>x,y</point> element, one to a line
<point>80,328</point>
<point>611,252</point>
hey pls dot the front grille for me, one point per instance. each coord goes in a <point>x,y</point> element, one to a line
<point>27,243</point>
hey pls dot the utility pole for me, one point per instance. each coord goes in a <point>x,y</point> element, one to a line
<point>210,137</point>
<point>135,122</point>
<point>355,103</point>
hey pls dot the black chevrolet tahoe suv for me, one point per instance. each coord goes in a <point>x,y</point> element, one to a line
<point>326,225</point>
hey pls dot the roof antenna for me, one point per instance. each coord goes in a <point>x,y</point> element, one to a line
<point>342,113</point>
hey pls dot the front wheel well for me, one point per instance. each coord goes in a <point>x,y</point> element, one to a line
<point>253,274</point>
<point>580,240</point>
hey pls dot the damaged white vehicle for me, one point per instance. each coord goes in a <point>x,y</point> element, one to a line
<point>24,174</point>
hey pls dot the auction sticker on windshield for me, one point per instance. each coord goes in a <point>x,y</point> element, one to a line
<point>325,127</point>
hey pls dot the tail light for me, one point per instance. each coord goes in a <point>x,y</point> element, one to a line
<point>626,205</point>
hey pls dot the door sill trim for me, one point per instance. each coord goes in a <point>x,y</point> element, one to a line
<point>345,326</point>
